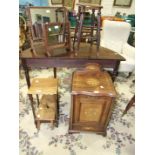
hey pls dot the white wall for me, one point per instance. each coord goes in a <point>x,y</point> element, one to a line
<point>109,9</point>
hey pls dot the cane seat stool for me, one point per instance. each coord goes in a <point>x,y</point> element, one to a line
<point>93,95</point>
<point>46,91</point>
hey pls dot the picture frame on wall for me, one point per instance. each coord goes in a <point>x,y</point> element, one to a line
<point>122,3</point>
<point>56,1</point>
<point>91,1</point>
<point>69,4</point>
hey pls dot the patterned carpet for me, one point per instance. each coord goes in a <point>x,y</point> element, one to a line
<point>120,139</point>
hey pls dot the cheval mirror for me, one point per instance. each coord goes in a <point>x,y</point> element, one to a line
<point>49,30</point>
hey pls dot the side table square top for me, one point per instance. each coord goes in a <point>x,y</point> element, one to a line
<point>43,86</point>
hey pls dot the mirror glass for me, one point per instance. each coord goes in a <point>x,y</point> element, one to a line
<point>39,16</point>
<point>55,34</point>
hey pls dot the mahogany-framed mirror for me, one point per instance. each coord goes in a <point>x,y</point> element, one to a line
<point>41,16</point>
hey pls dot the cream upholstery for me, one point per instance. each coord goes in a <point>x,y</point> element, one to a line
<point>114,36</point>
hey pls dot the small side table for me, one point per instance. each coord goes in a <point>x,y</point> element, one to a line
<point>46,91</point>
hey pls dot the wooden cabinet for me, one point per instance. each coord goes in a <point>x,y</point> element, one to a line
<point>93,94</point>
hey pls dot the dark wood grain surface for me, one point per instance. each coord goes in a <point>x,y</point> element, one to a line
<point>85,52</point>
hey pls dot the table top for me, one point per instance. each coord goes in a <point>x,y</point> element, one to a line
<point>85,52</point>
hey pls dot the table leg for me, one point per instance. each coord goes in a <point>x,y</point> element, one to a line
<point>26,70</point>
<point>115,71</point>
<point>55,72</point>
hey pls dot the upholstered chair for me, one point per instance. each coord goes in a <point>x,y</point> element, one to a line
<point>114,36</point>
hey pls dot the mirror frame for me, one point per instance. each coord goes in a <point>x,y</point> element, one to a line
<point>43,39</point>
<point>30,17</point>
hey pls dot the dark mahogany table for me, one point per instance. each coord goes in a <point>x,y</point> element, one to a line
<point>105,57</point>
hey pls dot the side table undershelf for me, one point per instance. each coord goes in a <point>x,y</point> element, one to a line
<point>45,90</point>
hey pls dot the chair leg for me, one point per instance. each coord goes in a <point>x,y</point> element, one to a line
<point>130,104</point>
<point>130,73</point>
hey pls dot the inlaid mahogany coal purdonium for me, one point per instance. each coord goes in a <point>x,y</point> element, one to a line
<point>93,97</point>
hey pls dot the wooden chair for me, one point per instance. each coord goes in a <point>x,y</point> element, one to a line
<point>46,91</point>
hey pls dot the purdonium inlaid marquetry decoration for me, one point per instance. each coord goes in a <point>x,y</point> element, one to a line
<point>45,90</point>
<point>93,95</point>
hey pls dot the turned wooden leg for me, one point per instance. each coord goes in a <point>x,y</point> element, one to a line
<point>104,134</point>
<point>38,124</point>
<point>56,123</point>
<point>130,104</point>
<point>130,73</point>
<point>115,71</point>
<point>38,102</point>
<point>32,105</point>
<point>55,72</point>
<point>52,124</point>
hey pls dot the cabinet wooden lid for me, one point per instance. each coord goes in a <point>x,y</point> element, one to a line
<point>92,82</point>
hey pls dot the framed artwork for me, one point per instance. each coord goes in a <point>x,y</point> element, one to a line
<point>123,3</point>
<point>56,1</point>
<point>91,1</point>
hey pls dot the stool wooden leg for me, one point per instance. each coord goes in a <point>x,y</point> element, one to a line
<point>92,25</point>
<point>38,124</point>
<point>79,35</point>
<point>98,28</point>
<point>77,26</point>
<point>52,124</point>
<point>32,106</point>
<point>37,96</point>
